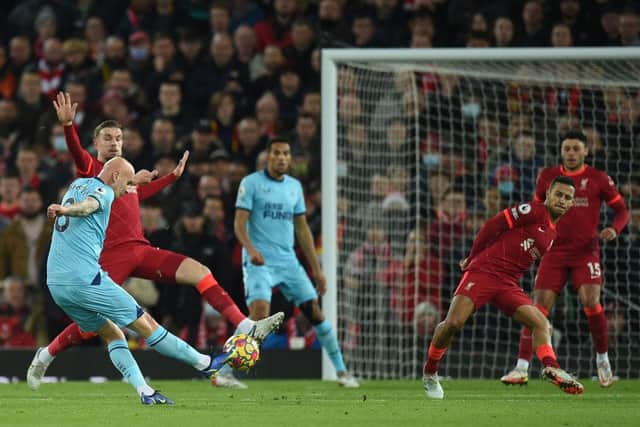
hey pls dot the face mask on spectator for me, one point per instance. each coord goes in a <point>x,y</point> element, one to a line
<point>59,144</point>
<point>138,53</point>
<point>471,110</point>
<point>506,187</point>
<point>431,160</point>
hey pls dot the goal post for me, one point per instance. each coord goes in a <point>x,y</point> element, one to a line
<point>419,146</point>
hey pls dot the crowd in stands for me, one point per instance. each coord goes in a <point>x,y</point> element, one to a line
<point>219,78</point>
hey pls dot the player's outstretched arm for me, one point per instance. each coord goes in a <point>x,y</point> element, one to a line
<point>151,188</point>
<point>83,208</point>
<point>66,111</point>
<point>305,239</point>
<point>240,228</point>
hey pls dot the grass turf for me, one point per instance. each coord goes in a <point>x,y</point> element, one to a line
<point>320,403</point>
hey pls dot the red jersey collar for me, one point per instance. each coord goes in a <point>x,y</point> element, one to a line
<point>565,172</point>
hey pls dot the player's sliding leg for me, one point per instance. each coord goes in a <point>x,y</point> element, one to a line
<point>461,308</point>
<point>544,300</point>
<point>531,317</point>
<point>329,341</point>
<point>193,273</point>
<point>123,360</point>
<point>167,344</point>
<point>69,337</point>
<point>590,298</point>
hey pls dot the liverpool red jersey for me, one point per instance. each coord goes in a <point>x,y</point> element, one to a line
<point>508,244</point>
<point>124,222</point>
<point>578,228</point>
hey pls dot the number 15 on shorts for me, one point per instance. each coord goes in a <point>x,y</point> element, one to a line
<point>594,269</point>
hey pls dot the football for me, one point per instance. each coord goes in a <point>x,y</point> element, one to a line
<point>247,351</point>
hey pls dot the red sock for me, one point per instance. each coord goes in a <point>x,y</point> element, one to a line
<point>71,336</point>
<point>525,351</point>
<point>598,327</point>
<point>219,299</point>
<point>547,356</point>
<point>433,359</point>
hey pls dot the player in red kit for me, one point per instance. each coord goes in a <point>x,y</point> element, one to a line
<point>506,246</point>
<point>576,253</point>
<point>126,251</point>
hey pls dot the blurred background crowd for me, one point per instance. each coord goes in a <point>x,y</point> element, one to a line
<point>219,78</point>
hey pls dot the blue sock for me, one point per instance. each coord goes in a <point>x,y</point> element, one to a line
<point>123,360</point>
<point>329,340</point>
<point>169,345</point>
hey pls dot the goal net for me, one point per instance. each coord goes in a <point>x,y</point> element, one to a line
<point>419,148</point>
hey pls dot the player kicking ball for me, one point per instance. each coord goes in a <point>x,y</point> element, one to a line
<point>503,250</point>
<point>126,251</point>
<point>90,297</point>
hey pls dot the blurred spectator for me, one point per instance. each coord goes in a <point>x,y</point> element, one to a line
<point>219,18</point>
<point>138,16</point>
<point>95,35</point>
<point>78,65</point>
<point>289,96</point>
<point>244,41</point>
<point>51,68</point>
<point>332,25</point>
<point>561,35</point>
<point>390,14</point>
<point>503,32</point>
<point>8,81</point>
<point>534,32</point>
<point>121,79</point>
<point>447,229</point>
<point>363,30</point>
<point>249,142</point>
<point>267,114</point>
<point>171,107</point>
<point>20,53</point>
<point>24,243</point>
<point>276,29</point>
<point>421,281</point>
<point>571,14</point>
<point>202,141</point>
<point>299,53</point>
<point>223,110</point>
<point>629,29</point>
<point>135,150</point>
<point>311,106</point>
<point>273,60</point>
<point>171,197</point>
<point>9,196</point>
<point>115,57</point>
<point>163,136</point>
<point>189,56</point>
<point>22,323</point>
<point>219,71</point>
<point>31,104</point>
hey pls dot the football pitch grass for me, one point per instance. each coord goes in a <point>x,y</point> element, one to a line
<point>321,403</point>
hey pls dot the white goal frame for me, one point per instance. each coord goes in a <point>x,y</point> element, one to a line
<point>330,60</point>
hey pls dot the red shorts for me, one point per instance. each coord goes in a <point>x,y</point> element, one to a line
<point>483,288</point>
<point>140,260</point>
<point>554,271</point>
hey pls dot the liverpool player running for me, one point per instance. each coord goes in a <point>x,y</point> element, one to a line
<point>576,252</point>
<point>126,252</point>
<point>503,250</point>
